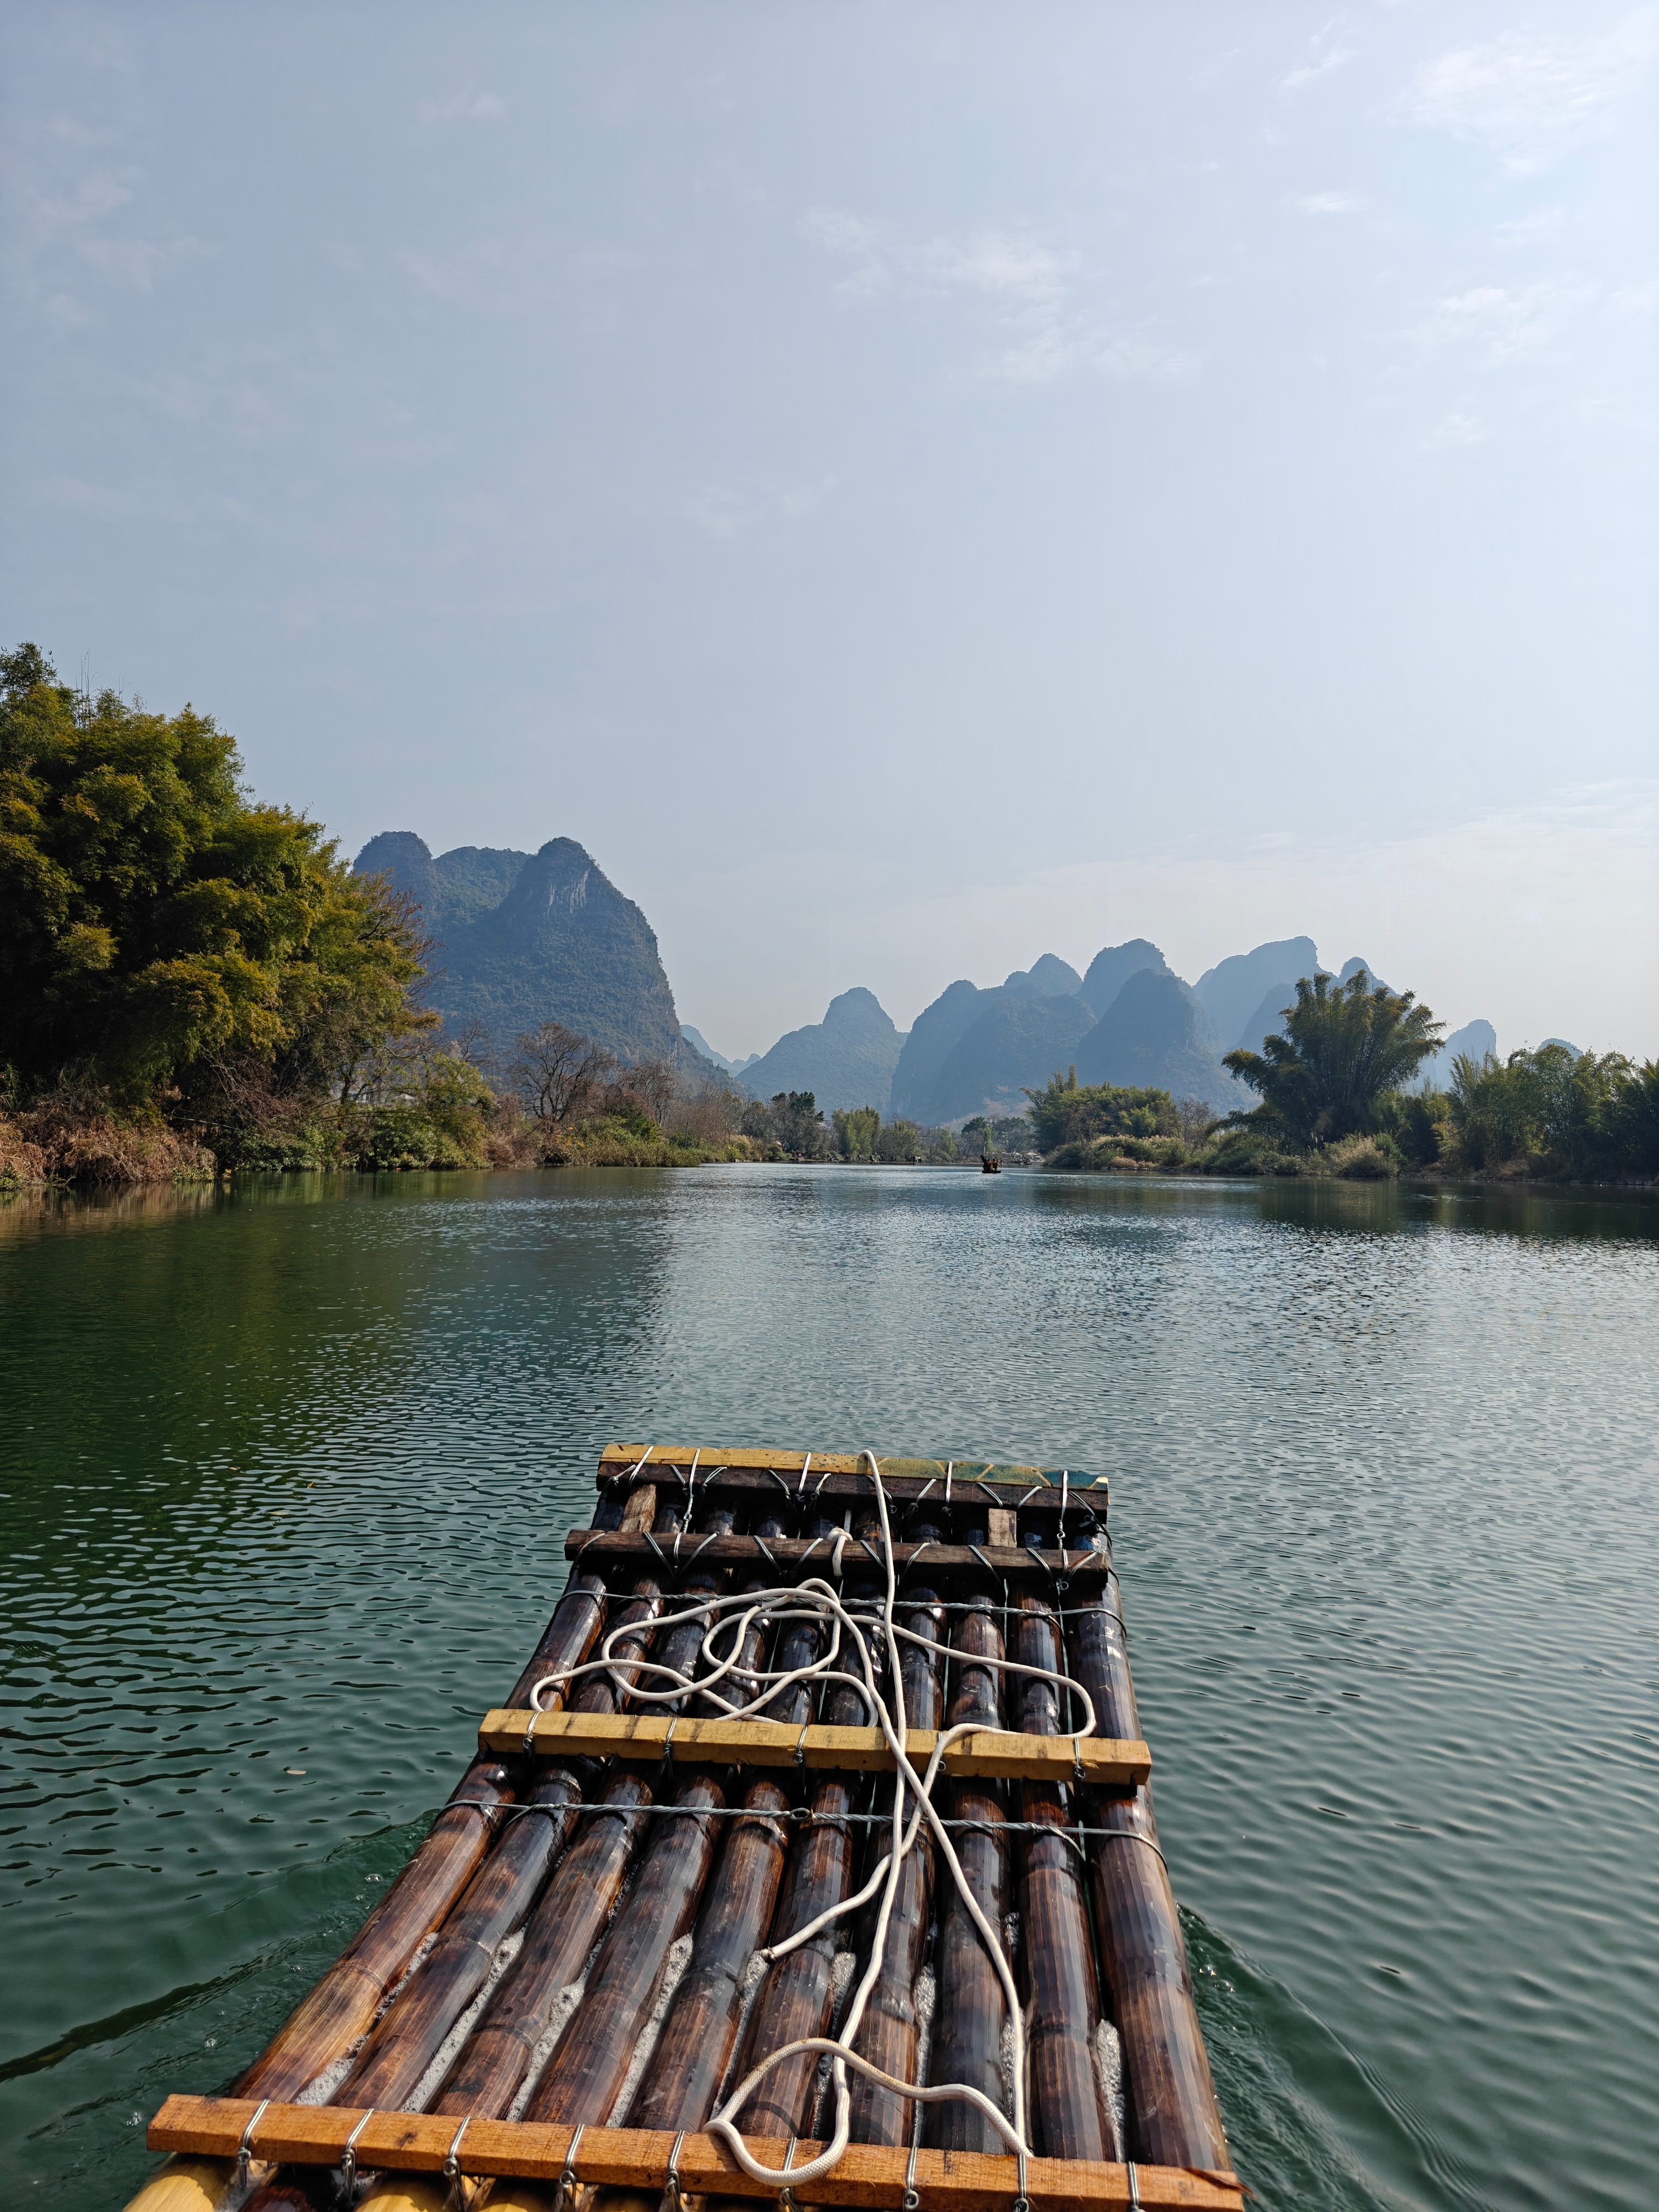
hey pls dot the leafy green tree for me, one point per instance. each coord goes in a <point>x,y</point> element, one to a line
<point>164,931</point>
<point>1344,1049</point>
<point>858,1130</point>
<point>1571,1113</point>
<point>1067,1113</point>
<point>799,1125</point>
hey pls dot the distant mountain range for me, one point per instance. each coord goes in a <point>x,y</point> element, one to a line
<point>523,938</point>
<point>1127,1020</point>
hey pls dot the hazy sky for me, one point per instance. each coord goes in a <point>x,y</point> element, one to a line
<point>908,486</point>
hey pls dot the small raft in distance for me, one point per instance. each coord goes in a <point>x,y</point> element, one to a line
<point>725,1904</point>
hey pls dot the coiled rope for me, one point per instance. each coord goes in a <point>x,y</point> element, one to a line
<point>819,1599</point>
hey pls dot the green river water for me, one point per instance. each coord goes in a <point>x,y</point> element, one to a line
<point>286,1472</point>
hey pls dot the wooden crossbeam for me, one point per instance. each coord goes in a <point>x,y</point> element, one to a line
<point>901,1478</point>
<point>1109,1762</point>
<point>594,1547</point>
<point>969,1494</point>
<point>867,2176</point>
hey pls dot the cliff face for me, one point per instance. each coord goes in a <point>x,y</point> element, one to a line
<point>846,1059</point>
<point>523,938</point>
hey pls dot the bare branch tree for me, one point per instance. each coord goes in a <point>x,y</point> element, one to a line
<point>655,1083</point>
<point>556,1071</point>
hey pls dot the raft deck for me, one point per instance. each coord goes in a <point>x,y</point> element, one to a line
<point>572,1973</point>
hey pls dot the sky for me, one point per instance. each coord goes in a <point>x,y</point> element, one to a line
<point>908,487</point>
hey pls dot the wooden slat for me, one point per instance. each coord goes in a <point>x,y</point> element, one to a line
<point>637,2158</point>
<point>594,1547</point>
<point>1108,1762</point>
<point>848,1472</point>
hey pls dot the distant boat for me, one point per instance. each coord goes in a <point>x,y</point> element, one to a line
<point>989,1164</point>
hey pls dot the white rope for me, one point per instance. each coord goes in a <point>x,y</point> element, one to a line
<point>820,1601</point>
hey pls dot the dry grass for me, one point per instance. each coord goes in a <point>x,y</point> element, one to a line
<point>64,1139</point>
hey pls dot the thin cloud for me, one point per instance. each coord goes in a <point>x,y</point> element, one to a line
<point>1329,203</point>
<point>1505,324</point>
<point>1528,95</point>
<point>1327,51</point>
<point>1032,287</point>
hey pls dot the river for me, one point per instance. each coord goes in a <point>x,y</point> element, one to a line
<point>286,1467</point>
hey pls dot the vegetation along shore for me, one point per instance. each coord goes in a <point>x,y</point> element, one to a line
<point>195,984</point>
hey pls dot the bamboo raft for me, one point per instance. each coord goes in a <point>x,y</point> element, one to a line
<point>686,1928</point>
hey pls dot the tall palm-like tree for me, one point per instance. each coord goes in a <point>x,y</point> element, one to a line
<point>1344,1047</point>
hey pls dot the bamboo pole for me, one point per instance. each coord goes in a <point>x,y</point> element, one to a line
<point>1068,2116</point>
<point>1174,2119</point>
<point>797,1998</point>
<point>888,2035</point>
<point>409,2034</point>
<point>970,2012</point>
<point>690,2062</point>
<point>339,2010</point>
<point>562,1930</point>
<point>587,2068</point>
<point>185,2185</point>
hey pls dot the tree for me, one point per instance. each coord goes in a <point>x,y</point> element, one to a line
<point>558,1072</point>
<point>1065,1112</point>
<point>162,929</point>
<point>655,1083</point>
<point>857,1130</point>
<point>1344,1049</point>
<point>799,1125</point>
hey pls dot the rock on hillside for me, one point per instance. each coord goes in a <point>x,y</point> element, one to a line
<point>1013,1044</point>
<point>846,1059</point>
<point>1156,1033</point>
<point>1233,989</point>
<point>1112,967</point>
<point>523,938</point>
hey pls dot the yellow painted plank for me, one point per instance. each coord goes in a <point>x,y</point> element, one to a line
<point>867,2175</point>
<point>1108,1762</point>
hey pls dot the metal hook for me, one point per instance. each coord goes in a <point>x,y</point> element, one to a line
<point>786,2195</point>
<point>567,2178</point>
<point>349,2161</point>
<point>1134,2184</point>
<point>801,1755</point>
<point>1022,2203</point>
<point>672,2187</point>
<point>912,2201</point>
<point>244,2148</point>
<point>451,2166</point>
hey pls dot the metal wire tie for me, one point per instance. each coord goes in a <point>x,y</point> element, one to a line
<point>244,2148</point>
<point>671,2186</point>
<point>786,2195</point>
<point>912,2201</point>
<point>1022,2203</point>
<point>1134,2184</point>
<point>451,2164</point>
<point>349,2160</point>
<point>800,1754</point>
<point>668,1741</point>
<point>567,2178</point>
